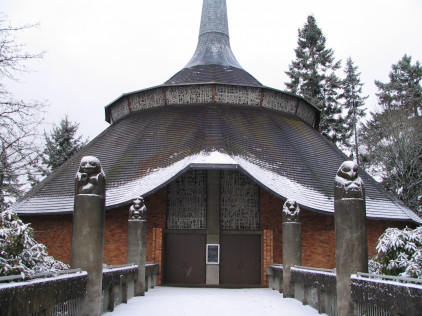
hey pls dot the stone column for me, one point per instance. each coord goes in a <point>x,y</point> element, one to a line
<point>351,235</point>
<point>88,230</point>
<point>292,244</point>
<point>136,242</point>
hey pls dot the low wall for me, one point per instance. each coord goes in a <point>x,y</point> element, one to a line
<point>317,288</point>
<point>43,295</point>
<point>275,277</point>
<point>396,295</point>
<point>62,293</point>
<point>373,294</point>
<point>119,283</point>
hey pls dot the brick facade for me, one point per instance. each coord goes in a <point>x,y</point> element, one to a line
<point>318,235</point>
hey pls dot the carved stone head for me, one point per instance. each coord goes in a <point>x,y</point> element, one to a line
<point>90,165</point>
<point>348,184</point>
<point>138,210</point>
<point>291,211</point>
<point>90,178</point>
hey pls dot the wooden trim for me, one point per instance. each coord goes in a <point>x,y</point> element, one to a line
<point>262,98</point>
<point>165,95</point>
<point>111,116</point>
<point>213,94</point>
<point>129,104</point>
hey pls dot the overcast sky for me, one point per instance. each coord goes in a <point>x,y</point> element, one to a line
<point>97,50</point>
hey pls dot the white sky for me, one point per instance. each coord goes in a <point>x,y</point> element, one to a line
<point>97,50</point>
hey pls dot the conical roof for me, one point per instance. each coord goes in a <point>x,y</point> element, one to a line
<point>213,60</point>
<point>159,133</point>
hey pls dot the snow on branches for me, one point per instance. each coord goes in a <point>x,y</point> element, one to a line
<point>19,252</point>
<point>399,253</point>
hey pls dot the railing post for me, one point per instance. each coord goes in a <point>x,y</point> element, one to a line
<point>110,291</point>
<point>124,289</point>
<point>292,244</point>
<point>136,242</point>
<point>88,230</point>
<point>351,235</point>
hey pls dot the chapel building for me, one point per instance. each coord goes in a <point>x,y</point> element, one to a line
<point>215,154</point>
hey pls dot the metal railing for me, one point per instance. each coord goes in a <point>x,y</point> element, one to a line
<point>17,278</point>
<point>50,293</point>
<point>373,294</point>
<point>371,310</point>
<point>389,277</point>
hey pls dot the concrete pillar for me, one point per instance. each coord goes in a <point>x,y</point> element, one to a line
<point>292,244</point>
<point>351,234</point>
<point>213,222</point>
<point>136,242</point>
<point>88,230</point>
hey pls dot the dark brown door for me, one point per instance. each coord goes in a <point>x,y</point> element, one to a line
<point>184,258</point>
<point>240,260</point>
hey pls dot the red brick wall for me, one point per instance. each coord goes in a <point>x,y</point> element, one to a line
<point>376,228</point>
<point>267,252</point>
<point>54,231</point>
<point>318,237</point>
<point>156,223</point>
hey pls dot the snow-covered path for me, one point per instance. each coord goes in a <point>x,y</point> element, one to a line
<point>176,301</point>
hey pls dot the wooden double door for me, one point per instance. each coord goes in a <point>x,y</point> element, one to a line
<point>184,258</point>
<point>240,259</point>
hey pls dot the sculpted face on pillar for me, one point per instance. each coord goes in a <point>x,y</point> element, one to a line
<point>138,210</point>
<point>348,184</point>
<point>291,211</point>
<point>90,178</point>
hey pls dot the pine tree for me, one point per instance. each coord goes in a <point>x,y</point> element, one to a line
<point>391,150</point>
<point>391,140</point>
<point>60,144</point>
<point>312,76</point>
<point>354,103</point>
<point>404,89</point>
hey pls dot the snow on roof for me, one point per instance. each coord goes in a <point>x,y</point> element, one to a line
<point>281,153</point>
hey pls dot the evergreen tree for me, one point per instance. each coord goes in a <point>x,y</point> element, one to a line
<point>312,76</point>
<point>392,150</point>
<point>404,89</point>
<point>391,141</point>
<point>399,253</point>
<point>19,252</point>
<point>354,103</point>
<point>60,144</point>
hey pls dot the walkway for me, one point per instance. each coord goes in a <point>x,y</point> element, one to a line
<point>176,301</point>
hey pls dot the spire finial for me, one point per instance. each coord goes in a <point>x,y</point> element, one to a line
<point>213,60</point>
<point>214,17</point>
<point>214,44</point>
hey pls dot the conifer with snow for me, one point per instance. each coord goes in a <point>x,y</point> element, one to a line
<point>353,103</point>
<point>19,252</point>
<point>404,90</point>
<point>60,144</point>
<point>313,76</point>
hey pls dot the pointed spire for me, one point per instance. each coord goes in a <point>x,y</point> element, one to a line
<point>213,60</point>
<point>214,17</point>
<point>214,43</point>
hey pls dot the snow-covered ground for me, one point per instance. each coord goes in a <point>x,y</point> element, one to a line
<point>178,301</point>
